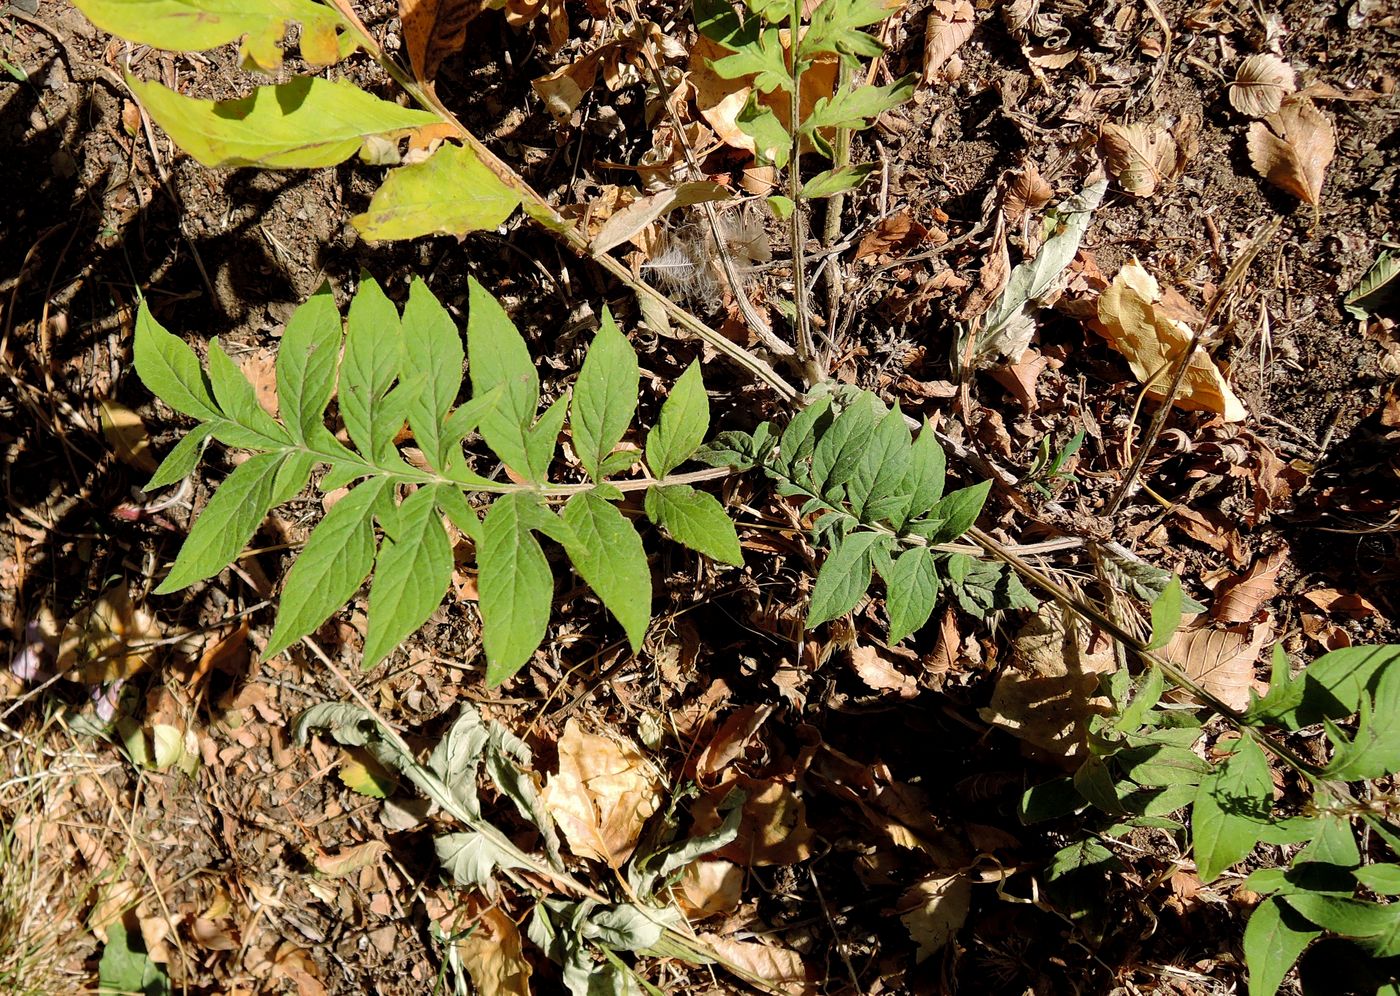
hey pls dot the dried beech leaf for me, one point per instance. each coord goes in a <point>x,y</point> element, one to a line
<point>494,956</point>
<point>1132,319</point>
<point>1240,599</point>
<point>1220,659</point>
<point>950,24</point>
<point>1260,84</point>
<point>1292,149</point>
<point>1140,156</point>
<point>433,30</point>
<point>603,793</point>
<point>782,968</point>
<point>934,910</point>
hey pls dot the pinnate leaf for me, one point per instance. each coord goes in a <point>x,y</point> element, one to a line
<point>411,575</point>
<point>304,123</point>
<point>604,397</point>
<point>515,586</point>
<point>695,519</point>
<point>608,554</point>
<point>306,365</point>
<point>685,419</point>
<point>843,578</point>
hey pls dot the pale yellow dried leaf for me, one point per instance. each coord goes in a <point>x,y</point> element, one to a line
<point>628,223</point>
<point>934,910</point>
<point>781,968</point>
<point>1260,84</point>
<point>880,674</point>
<point>604,792</point>
<point>126,434</point>
<point>1049,691</point>
<point>1293,147</point>
<point>1131,317</point>
<point>563,90</point>
<point>494,956</point>
<point>709,886</point>
<point>1139,156</point>
<point>109,639</point>
<point>348,860</point>
<point>1220,659</point>
<point>950,24</point>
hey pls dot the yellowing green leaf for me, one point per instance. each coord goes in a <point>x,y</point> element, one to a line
<point>304,123</point>
<point>449,193</point>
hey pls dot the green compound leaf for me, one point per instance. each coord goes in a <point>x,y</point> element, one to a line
<point>694,519</point>
<point>1166,615</point>
<point>1231,804</point>
<point>843,578</point>
<point>306,366</point>
<point>239,402</point>
<point>170,369</point>
<point>911,591</point>
<point>180,462</point>
<point>196,25</point>
<point>772,144</point>
<point>685,419</point>
<point>836,181</point>
<point>605,396</point>
<point>372,414</point>
<point>227,522</point>
<point>411,575</point>
<point>498,357</point>
<point>856,109</point>
<point>876,489</point>
<point>608,554</point>
<point>515,585</point>
<point>834,24</point>
<point>301,124</point>
<point>450,193</point>
<point>125,967</point>
<point>1274,938</point>
<point>957,511</point>
<point>335,561</point>
<point>432,345</point>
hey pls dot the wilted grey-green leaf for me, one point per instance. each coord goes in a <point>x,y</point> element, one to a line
<point>472,859</point>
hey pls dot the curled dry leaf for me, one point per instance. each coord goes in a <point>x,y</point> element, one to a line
<point>433,30</point>
<point>1220,658</point>
<point>1140,156</point>
<point>1293,147</point>
<point>782,968</point>
<point>1132,319</point>
<point>950,24</point>
<point>494,955</point>
<point>1050,690</point>
<point>773,830</point>
<point>1260,84</point>
<point>934,910</point>
<point>896,235</point>
<point>603,794</point>
<point>349,860</point>
<point>1342,603</point>
<point>109,639</point>
<point>1027,192</point>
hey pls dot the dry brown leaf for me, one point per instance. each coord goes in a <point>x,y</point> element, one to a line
<point>896,234</point>
<point>880,674</point>
<point>126,433</point>
<point>1342,603</point>
<point>1140,156</point>
<point>563,90</point>
<point>109,639</point>
<point>1131,318</point>
<point>709,886</point>
<point>992,278</point>
<point>729,742</point>
<point>1048,692</point>
<point>773,830</point>
<point>1240,599</point>
<point>295,964</point>
<point>934,910</point>
<point>950,24</point>
<point>782,968</point>
<point>348,860</point>
<point>1260,84</point>
<point>1221,659</point>
<point>1293,147</point>
<point>604,792</point>
<point>433,30</point>
<point>1215,530</point>
<point>494,955</point>
<point>1027,192</point>
<point>627,223</point>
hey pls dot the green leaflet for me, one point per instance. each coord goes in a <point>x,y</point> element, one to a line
<point>411,575</point>
<point>498,357</point>
<point>180,462</point>
<point>957,511</point>
<point>696,520</point>
<point>1374,750</point>
<point>608,554</point>
<point>306,366</point>
<point>239,402</point>
<point>836,181</point>
<point>1374,926</point>
<point>605,397</point>
<point>373,343</point>
<point>1331,687</point>
<point>772,144</point>
<point>1231,803</point>
<point>880,471</point>
<point>432,345</point>
<point>304,123</point>
<point>843,578</point>
<point>227,523</point>
<point>1274,937</point>
<point>685,419</point>
<point>195,25</point>
<point>335,561</point>
<point>1166,615</point>
<point>841,448</point>
<point>515,586</point>
<point>450,193</point>
<point>170,369</point>
<point>911,590</point>
<point>125,966</point>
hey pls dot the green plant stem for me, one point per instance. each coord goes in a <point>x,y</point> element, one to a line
<point>831,230</point>
<point>802,321</point>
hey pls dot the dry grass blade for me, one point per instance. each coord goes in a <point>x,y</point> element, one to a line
<point>1293,147</point>
<point>1261,83</point>
<point>433,30</point>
